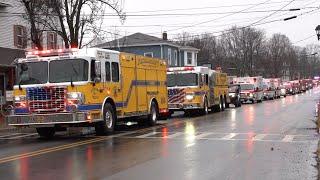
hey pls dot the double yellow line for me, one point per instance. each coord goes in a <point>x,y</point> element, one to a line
<point>76,144</point>
<point>53,149</point>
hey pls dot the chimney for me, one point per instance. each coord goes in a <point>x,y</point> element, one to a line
<point>165,35</point>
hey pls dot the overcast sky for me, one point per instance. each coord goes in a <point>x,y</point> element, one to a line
<point>214,16</point>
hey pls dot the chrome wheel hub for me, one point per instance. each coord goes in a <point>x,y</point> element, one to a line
<point>108,119</point>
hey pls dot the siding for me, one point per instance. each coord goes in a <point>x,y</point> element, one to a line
<point>156,50</point>
<point>7,21</point>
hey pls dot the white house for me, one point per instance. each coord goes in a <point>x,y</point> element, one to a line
<point>15,29</point>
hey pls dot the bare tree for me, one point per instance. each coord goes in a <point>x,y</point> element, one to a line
<point>244,46</point>
<point>32,8</point>
<point>72,19</point>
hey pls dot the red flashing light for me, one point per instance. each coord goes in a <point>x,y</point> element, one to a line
<point>189,68</point>
<point>53,52</point>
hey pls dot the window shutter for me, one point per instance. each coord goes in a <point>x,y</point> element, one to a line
<point>48,40</point>
<point>55,40</point>
<point>25,37</point>
<point>15,37</point>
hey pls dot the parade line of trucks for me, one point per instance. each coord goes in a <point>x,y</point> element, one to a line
<point>94,87</point>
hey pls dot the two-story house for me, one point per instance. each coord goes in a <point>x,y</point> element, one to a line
<point>147,45</point>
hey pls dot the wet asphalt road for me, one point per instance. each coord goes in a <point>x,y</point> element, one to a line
<point>271,140</point>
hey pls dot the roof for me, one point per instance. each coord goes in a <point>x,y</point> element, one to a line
<point>4,4</point>
<point>9,55</point>
<point>189,48</point>
<point>136,39</point>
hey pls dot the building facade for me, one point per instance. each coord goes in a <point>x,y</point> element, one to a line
<point>147,45</point>
<point>15,30</point>
<point>14,41</point>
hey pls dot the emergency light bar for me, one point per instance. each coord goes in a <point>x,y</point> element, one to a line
<point>52,52</point>
<point>180,69</point>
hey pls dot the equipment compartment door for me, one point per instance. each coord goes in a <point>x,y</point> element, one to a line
<point>141,90</point>
<point>129,89</point>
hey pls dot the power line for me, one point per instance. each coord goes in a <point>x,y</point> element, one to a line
<point>272,13</point>
<point>309,37</point>
<point>204,22</point>
<point>211,7</point>
<point>181,14</point>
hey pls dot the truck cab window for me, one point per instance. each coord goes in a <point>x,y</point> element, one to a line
<point>92,70</point>
<point>108,74</point>
<point>115,71</point>
<point>207,79</point>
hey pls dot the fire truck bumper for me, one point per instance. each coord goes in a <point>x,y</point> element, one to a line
<point>47,119</point>
<point>182,107</point>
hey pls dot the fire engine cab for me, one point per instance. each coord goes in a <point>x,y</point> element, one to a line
<point>192,89</point>
<point>87,87</point>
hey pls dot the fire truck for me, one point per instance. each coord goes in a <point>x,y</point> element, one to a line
<point>192,89</point>
<point>87,87</point>
<point>251,89</point>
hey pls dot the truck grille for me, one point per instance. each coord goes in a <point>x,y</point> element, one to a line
<point>46,99</point>
<point>176,95</point>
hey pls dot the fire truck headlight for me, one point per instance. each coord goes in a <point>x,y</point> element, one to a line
<point>75,98</point>
<point>232,94</point>
<point>189,96</point>
<point>20,98</point>
<point>251,95</point>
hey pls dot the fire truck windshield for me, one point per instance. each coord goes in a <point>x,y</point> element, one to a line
<point>32,73</point>
<point>182,79</point>
<point>247,86</point>
<point>68,70</point>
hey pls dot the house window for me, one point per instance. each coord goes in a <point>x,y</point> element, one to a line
<point>169,57</point>
<point>175,58</point>
<point>52,40</point>
<point>189,58</point>
<point>148,54</point>
<point>20,36</point>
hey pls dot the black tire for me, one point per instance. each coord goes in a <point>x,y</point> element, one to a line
<point>109,120</point>
<point>227,104</point>
<point>46,132</point>
<point>154,114</point>
<point>223,105</point>
<point>205,109</point>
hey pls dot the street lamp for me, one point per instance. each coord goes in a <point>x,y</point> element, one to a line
<point>318,31</point>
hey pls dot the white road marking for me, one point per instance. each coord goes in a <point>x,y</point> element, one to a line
<point>146,135</point>
<point>203,135</point>
<point>173,135</point>
<point>8,135</point>
<point>22,136</point>
<point>229,136</point>
<point>259,137</point>
<point>288,138</point>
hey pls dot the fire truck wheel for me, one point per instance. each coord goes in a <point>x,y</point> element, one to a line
<point>154,114</point>
<point>108,123</point>
<point>205,109</point>
<point>223,103</point>
<point>46,132</point>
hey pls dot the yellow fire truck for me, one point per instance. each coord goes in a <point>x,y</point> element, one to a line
<point>197,88</point>
<point>87,87</point>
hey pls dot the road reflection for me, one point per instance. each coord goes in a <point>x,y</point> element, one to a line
<point>190,134</point>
